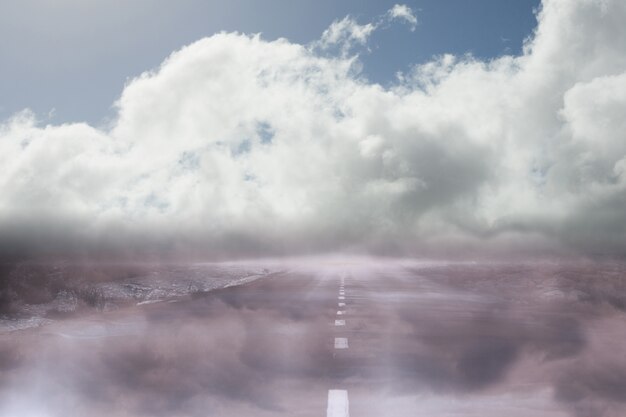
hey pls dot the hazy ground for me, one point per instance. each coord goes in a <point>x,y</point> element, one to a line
<point>425,339</point>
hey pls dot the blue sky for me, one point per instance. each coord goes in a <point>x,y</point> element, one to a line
<point>75,56</point>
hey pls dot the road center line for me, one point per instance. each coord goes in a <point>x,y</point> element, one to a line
<point>338,405</point>
<point>340,322</point>
<point>341,343</point>
<point>339,313</point>
<point>342,304</point>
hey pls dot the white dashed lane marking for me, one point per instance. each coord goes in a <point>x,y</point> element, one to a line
<point>341,343</point>
<point>337,398</point>
<point>338,405</point>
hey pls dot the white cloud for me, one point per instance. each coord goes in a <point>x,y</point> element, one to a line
<point>403,12</point>
<point>347,33</point>
<point>236,144</point>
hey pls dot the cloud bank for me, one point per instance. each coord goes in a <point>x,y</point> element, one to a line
<point>237,145</point>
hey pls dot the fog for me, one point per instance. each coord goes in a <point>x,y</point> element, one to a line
<point>546,337</point>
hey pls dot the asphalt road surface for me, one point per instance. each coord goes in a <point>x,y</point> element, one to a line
<point>337,339</point>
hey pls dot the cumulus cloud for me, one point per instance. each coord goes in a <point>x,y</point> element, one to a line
<point>343,35</point>
<point>403,12</point>
<point>240,145</point>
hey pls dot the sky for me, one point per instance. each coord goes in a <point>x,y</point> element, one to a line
<point>400,129</point>
<point>69,60</point>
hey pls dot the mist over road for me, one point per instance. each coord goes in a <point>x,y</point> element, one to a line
<point>364,338</point>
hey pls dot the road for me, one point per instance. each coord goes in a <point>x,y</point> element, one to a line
<point>334,340</point>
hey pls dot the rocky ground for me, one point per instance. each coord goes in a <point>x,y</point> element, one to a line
<point>36,293</point>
